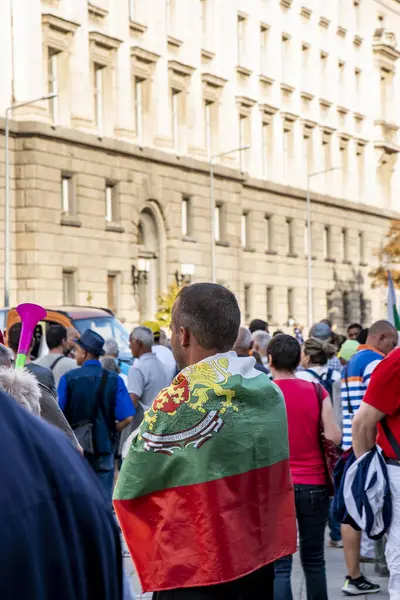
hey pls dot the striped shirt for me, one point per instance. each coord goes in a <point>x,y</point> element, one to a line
<point>355,379</point>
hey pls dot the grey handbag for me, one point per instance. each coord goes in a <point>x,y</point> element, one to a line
<point>84,429</point>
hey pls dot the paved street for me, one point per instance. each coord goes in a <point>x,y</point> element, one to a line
<point>336,571</point>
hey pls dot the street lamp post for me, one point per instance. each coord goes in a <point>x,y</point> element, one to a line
<point>309,243</point>
<point>212,206</point>
<point>7,253</point>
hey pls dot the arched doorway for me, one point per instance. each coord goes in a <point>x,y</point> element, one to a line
<point>150,242</point>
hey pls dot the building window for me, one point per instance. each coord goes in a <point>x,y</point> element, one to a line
<point>308,149</point>
<point>344,158</point>
<point>245,230</point>
<point>341,76</point>
<point>132,9</point>
<point>218,223</point>
<point>386,87</point>
<point>326,151</point>
<point>247,302</point>
<point>361,247</point>
<point>204,20</point>
<point>266,134</point>
<point>208,106</point>
<point>324,69</point>
<point>327,243</point>
<point>113,291</point>
<point>290,236</point>
<point>175,114</point>
<point>98,86</point>
<point>345,245</point>
<point>357,82</point>
<point>169,15</point>
<point>186,211</point>
<point>287,149</point>
<point>305,56</point>
<point>67,194</point>
<point>52,83</point>
<point>290,303</point>
<point>244,140</point>
<point>385,172</point>
<point>69,291</point>
<point>360,158</point>
<point>111,203</point>
<point>241,31</point>
<point>285,58</point>
<point>357,14</point>
<point>263,49</point>
<point>268,240</point>
<point>270,304</point>
<point>138,92</point>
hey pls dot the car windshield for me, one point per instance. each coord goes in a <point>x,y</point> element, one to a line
<point>107,327</point>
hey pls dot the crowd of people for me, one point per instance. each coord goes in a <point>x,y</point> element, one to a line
<point>215,438</point>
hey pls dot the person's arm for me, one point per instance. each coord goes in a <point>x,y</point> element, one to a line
<point>135,385</point>
<point>364,428</point>
<point>120,426</point>
<point>331,430</point>
<point>62,393</point>
<point>124,409</point>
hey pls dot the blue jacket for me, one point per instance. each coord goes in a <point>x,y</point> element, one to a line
<point>81,393</point>
<point>59,539</point>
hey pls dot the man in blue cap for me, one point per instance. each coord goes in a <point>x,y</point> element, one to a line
<point>97,405</point>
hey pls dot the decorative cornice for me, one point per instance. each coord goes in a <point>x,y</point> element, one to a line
<point>61,25</point>
<point>305,12</point>
<point>324,22</point>
<point>180,68</point>
<point>136,27</point>
<point>243,71</point>
<point>307,96</point>
<point>96,12</point>
<point>265,79</point>
<point>144,55</point>
<point>341,31</point>
<point>213,80</point>
<point>174,42</point>
<point>268,108</point>
<point>105,41</point>
<point>286,3</point>
<point>245,101</point>
<point>207,54</point>
<point>289,116</point>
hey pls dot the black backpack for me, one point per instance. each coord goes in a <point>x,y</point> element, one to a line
<point>325,379</point>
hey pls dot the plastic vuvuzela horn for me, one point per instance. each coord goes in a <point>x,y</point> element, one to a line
<point>30,315</point>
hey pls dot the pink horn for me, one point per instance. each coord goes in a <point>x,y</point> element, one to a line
<point>30,315</point>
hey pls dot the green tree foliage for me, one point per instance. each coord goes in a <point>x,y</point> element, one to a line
<point>165,304</point>
<point>389,258</point>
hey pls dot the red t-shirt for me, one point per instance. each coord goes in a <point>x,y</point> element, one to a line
<point>383,393</point>
<point>306,460</point>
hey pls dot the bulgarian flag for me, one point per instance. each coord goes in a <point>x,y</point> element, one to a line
<point>205,494</point>
<point>393,314</point>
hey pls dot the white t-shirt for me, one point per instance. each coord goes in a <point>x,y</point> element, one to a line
<point>165,355</point>
<point>319,370</point>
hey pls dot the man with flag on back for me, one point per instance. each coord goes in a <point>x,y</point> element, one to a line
<point>205,497</point>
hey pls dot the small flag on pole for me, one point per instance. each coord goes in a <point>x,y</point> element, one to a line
<point>393,314</point>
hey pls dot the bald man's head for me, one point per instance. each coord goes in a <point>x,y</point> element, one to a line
<point>382,336</point>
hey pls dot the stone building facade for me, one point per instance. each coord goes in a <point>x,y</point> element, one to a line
<point>111,178</point>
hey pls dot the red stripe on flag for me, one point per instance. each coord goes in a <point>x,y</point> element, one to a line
<point>212,532</point>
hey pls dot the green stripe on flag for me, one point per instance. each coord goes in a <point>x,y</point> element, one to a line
<point>396,318</point>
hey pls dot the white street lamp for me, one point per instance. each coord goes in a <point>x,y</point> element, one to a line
<point>212,206</point>
<point>309,244</point>
<point>7,253</point>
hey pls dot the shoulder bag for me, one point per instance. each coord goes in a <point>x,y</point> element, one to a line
<point>330,452</point>
<point>84,429</point>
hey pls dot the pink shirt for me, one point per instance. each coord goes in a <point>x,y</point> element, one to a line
<point>306,461</point>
